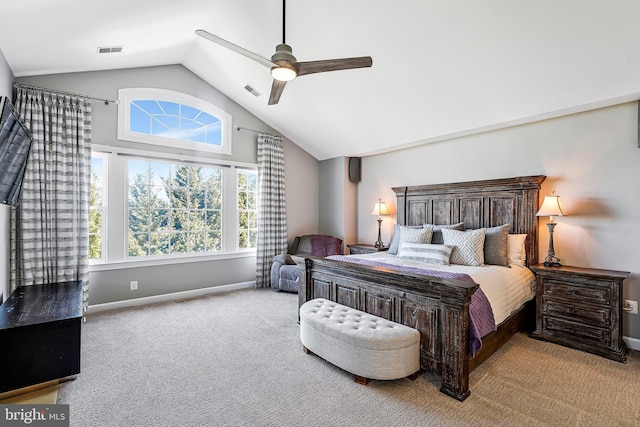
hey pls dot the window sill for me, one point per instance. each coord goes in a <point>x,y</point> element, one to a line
<point>121,265</point>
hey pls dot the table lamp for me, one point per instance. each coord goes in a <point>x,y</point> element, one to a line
<point>551,207</point>
<point>380,209</point>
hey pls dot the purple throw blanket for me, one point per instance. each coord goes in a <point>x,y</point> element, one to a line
<point>481,320</point>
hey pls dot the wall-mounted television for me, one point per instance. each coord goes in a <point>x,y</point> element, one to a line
<point>15,143</point>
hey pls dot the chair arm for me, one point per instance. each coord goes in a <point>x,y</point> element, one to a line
<point>284,259</point>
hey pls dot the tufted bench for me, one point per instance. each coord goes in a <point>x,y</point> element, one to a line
<point>365,345</point>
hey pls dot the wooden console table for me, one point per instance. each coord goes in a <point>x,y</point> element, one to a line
<point>40,334</point>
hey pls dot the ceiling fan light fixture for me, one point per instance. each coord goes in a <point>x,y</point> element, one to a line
<point>283,73</point>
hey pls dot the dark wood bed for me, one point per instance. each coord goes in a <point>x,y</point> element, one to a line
<point>437,308</point>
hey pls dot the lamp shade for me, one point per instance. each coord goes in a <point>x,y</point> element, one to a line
<point>380,208</point>
<point>551,206</point>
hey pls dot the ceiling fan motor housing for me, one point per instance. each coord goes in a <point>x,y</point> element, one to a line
<point>283,53</point>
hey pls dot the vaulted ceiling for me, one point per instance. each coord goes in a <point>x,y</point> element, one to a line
<point>440,69</point>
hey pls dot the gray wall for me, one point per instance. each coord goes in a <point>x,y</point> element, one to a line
<point>301,170</point>
<point>337,200</point>
<point>591,159</point>
<point>6,80</point>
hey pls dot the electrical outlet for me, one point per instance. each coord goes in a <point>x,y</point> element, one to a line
<point>632,305</point>
<point>134,285</point>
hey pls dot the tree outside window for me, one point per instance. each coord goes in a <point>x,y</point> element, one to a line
<point>174,208</point>
<point>247,209</point>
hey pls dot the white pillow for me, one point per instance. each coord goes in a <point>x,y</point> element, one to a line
<point>516,250</point>
<point>425,252</point>
<point>415,235</point>
<point>468,246</point>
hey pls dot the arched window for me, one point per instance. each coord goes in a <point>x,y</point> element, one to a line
<point>172,119</point>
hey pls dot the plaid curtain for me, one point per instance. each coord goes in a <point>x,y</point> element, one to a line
<point>272,209</point>
<point>49,228</point>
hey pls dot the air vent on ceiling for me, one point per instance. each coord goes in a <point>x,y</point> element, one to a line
<point>110,49</point>
<point>252,91</point>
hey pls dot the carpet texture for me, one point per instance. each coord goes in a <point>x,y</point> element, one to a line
<point>235,359</point>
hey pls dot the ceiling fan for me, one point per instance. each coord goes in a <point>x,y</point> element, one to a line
<point>284,66</point>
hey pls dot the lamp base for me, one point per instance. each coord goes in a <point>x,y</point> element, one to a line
<point>378,244</point>
<point>551,264</point>
<point>552,261</point>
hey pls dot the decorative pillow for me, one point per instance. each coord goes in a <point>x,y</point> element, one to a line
<point>425,252</point>
<point>468,246</point>
<point>437,231</point>
<point>395,240</point>
<point>516,251</point>
<point>495,245</point>
<point>415,235</point>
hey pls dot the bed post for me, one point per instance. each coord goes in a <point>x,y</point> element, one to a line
<point>455,350</point>
<point>304,290</point>
<point>401,209</point>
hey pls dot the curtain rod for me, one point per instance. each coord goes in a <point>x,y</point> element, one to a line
<point>239,128</point>
<point>106,101</point>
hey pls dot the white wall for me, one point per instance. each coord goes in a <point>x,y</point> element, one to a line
<point>301,171</point>
<point>591,159</point>
<point>6,80</point>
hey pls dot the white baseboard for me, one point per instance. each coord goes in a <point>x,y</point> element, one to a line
<point>97,308</point>
<point>633,343</point>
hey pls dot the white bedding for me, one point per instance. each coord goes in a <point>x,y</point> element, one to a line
<point>507,289</point>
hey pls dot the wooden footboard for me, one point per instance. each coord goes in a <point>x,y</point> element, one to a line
<point>438,308</point>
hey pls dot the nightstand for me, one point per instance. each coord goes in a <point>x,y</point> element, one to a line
<point>581,308</point>
<point>358,248</point>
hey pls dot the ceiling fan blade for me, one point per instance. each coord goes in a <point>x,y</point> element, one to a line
<point>312,67</point>
<point>276,90</point>
<point>235,48</point>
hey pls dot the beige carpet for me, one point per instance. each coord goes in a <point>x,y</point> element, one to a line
<point>235,359</point>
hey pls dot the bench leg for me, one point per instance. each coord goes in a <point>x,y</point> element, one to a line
<point>360,380</point>
<point>415,375</point>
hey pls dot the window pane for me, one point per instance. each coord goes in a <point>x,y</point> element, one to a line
<point>207,119</point>
<point>214,135</point>
<point>151,107</point>
<point>173,119</point>
<point>214,241</point>
<point>170,107</point>
<point>189,112</point>
<point>139,120</point>
<point>176,121</point>
<point>138,244</point>
<point>159,243</point>
<point>95,246</point>
<point>96,207</point>
<point>167,208</point>
<point>247,210</point>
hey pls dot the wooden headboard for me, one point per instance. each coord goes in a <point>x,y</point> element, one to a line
<point>477,204</point>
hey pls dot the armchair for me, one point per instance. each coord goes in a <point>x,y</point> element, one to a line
<point>284,273</point>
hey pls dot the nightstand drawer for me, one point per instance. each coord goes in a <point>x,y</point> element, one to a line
<point>576,332</point>
<point>596,316</point>
<point>578,292</point>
